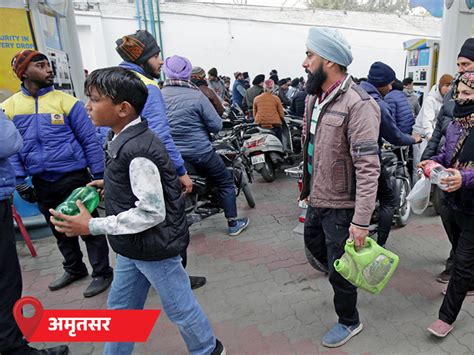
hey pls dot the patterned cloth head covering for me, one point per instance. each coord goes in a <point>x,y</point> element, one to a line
<point>467,78</point>
<point>21,60</point>
<point>137,47</point>
<point>198,73</point>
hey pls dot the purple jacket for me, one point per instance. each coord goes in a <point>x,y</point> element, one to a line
<point>462,199</point>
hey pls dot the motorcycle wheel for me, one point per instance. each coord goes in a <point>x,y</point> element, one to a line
<point>268,170</point>
<point>312,260</point>
<point>248,196</point>
<point>403,189</point>
<point>247,191</point>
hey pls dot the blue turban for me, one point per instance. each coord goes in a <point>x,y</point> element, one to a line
<point>329,44</point>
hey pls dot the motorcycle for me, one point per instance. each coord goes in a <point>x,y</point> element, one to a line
<point>233,113</point>
<point>267,152</point>
<point>395,159</point>
<point>203,201</point>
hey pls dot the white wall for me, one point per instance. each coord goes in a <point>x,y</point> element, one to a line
<point>234,45</point>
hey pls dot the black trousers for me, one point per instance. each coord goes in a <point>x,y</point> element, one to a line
<point>50,195</point>
<point>387,205</point>
<point>462,275</point>
<point>325,234</point>
<point>452,229</point>
<point>10,282</point>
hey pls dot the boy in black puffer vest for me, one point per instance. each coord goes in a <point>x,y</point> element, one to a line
<point>146,222</point>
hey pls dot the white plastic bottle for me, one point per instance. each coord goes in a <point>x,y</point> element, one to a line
<point>436,172</point>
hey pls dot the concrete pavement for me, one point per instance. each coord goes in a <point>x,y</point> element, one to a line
<point>263,297</point>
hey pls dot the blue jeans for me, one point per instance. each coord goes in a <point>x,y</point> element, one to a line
<point>132,280</point>
<point>211,166</point>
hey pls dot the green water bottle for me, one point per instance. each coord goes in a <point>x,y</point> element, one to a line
<point>369,268</point>
<point>87,195</point>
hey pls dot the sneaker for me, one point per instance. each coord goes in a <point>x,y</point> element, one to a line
<point>219,349</point>
<point>240,225</point>
<point>469,293</point>
<point>65,280</point>
<point>340,334</point>
<point>440,328</point>
<point>98,285</point>
<point>444,276</point>
<point>197,281</point>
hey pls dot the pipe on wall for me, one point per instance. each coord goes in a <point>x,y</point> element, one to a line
<point>158,23</point>
<point>138,15</point>
<point>144,15</point>
<point>151,12</point>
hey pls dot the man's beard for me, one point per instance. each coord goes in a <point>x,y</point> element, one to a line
<point>43,83</point>
<point>149,70</point>
<point>315,81</point>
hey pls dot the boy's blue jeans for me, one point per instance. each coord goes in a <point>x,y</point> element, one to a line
<point>132,280</point>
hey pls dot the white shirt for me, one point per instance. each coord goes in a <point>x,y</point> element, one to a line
<point>426,120</point>
<point>150,208</point>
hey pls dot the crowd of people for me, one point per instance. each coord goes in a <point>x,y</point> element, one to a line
<point>149,130</point>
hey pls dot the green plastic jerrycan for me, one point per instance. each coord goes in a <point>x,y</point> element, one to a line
<point>87,195</point>
<point>369,268</point>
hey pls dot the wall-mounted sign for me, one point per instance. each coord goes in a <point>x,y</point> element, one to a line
<point>15,35</point>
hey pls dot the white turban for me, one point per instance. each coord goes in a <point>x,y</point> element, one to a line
<point>329,44</point>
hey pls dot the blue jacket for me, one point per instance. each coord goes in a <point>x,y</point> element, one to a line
<point>401,110</point>
<point>155,113</point>
<point>388,126</point>
<point>192,118</point>
<point>238,92</point>
<point>57,133</point>
<point>11,144</point>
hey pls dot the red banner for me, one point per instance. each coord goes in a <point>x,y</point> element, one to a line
<point>83,325</point>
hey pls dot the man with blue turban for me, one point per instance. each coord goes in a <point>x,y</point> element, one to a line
<point>341,168</point>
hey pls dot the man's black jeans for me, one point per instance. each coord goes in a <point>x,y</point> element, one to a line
<point>50,195</point>
<point>11,337</point>
<point>325,233</point>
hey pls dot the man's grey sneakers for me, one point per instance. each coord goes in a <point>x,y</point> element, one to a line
<point>240,225</point>
<point>340,334</point>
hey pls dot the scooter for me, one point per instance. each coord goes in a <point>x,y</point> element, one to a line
<point>267,152</point>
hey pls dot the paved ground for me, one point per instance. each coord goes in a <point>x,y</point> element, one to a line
<point>263,298</point>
